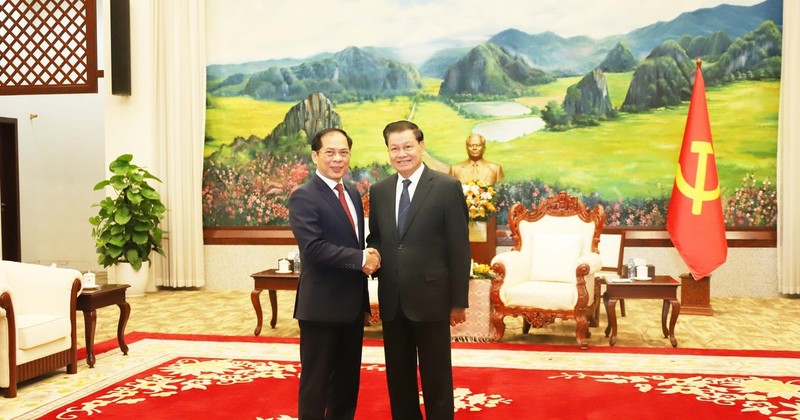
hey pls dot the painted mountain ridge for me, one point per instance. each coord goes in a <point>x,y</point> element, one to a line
<point>488,70</point>
<point>350,75</point>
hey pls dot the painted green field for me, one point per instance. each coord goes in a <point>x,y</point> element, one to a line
<point>241,116</point>
<point>634,156</point>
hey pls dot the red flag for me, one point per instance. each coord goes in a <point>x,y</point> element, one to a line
<point>694,218</point>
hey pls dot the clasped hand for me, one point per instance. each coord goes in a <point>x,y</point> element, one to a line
<point>373,262</point>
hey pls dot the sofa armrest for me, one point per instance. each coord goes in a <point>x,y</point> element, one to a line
<point>515,268</point>
<point>593,260</point>
<point>40,289</point>
<point>4,288</point>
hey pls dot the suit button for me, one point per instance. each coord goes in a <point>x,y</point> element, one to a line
<point>400,247</point>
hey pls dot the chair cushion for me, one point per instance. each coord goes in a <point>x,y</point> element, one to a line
<point>543,295</point>
<point>555,256</point>
<point>37,329</point>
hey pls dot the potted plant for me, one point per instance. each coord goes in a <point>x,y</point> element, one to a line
<point>126,229</point>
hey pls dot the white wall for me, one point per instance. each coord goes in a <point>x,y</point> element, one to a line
<point>60,160</point>
<point>750,272</point>
<point>129,120</point>
<point>228,267</point>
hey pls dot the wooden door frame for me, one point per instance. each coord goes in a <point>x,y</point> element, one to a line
<point>9,184</point>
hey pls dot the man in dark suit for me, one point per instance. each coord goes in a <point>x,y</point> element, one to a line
<point>420,229</point>
<point>327,220</point>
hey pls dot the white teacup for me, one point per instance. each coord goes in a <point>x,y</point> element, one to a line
<point>89,280</point>
<point>641,272</point>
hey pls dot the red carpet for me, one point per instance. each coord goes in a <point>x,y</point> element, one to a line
<point>602,383</point>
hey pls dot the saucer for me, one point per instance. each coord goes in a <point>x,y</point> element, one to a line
<point>96,286</point>
<point>642,278</point>
<point>283,272</point>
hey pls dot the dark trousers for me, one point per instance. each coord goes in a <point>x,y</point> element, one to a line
<point>404,341</point>
<point>330,369</point>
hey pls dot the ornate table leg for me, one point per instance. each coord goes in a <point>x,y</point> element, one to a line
<point>124,313</point>
<point>612,321</point>
<point>273,301</point>
<point>90,322</point>
<point>676,310</point>
<point>255,298</point>
<point>664,313</point>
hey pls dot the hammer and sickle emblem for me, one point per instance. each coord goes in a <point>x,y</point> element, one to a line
<point>696,192</point>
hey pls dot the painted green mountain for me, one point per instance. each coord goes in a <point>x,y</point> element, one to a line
<point>619,60</point>
<point>488,70</point>
<point>352,74</point>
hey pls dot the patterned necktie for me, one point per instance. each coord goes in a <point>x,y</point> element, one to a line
<point>402,209</point>
<point>340,188</point>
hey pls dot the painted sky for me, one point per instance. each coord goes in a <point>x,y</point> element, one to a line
<point>249,30</point>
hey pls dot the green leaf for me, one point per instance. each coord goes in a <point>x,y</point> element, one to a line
<point>150,194</point>
<point>122,216</point>
<point>134,198</point>
<point>140,238</point>
<point>102,184</point>
<point>133,256</point>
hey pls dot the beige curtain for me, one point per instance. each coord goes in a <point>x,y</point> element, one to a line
<point>789,154</point>
<point>180,126</point>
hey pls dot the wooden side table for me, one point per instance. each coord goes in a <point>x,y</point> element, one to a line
<point>660,287</point>
<point>92,299</point>
<point>272,281</point>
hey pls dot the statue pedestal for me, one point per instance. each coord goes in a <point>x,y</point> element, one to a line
<point>696,295</point>
<point>483,240</point>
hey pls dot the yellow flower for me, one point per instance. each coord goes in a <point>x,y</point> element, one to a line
<point>482,271</point>
<point>480,199</point>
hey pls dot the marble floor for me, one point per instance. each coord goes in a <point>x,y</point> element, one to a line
<point>737,323</point>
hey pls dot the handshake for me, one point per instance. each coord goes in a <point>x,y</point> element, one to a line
<point>373,261</point>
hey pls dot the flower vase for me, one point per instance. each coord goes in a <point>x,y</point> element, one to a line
<point>477,231</point>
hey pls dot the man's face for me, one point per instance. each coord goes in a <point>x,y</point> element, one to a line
<point>333,158</point>
<point>405,152</point>
<point>475,148</point>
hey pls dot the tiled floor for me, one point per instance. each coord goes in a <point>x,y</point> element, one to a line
<point>737,323</point>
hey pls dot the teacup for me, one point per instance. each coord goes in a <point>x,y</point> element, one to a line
<point>89,280</point>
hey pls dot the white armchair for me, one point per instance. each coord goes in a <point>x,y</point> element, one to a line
<point>550,270</point>
<point>37,321</point>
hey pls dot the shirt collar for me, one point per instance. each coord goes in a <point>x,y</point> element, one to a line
<point>329,182</point>
<point>415,176</point>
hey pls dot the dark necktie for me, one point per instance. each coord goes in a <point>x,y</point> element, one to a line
<point>340,188</point>
<point>402,209</point>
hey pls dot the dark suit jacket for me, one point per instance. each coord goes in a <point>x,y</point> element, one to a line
<point>425,268</point>
<point>332,287</point>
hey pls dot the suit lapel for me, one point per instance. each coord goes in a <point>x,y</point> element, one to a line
<point>389,205</point>
<point>329,196</point>
<point>420,194</point>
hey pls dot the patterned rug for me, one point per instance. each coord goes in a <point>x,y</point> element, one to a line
<point>184,376</point>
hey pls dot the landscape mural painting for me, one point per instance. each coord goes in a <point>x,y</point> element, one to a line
<point>587,98</point>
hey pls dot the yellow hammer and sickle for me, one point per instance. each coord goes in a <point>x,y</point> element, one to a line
<point>696,192</point>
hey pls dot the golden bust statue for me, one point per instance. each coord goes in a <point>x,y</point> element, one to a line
<point>476,168</point>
